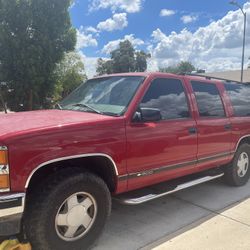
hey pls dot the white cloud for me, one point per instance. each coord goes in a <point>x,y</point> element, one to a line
<point>85,40</point>
<point>117,22</point>
<point>91,29</point>
<point>112,45</point>
<point>129,6</point>
<point>72,5</point>
<point>189,19</point>
<point>166,12</point>
<point>215,47</point>
<point>90,64</point>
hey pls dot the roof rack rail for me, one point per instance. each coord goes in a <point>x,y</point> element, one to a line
<point>211,77</point>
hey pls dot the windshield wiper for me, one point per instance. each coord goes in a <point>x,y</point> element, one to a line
<point>84,105</point>
<point>58,106</point>
<point>111,114</point>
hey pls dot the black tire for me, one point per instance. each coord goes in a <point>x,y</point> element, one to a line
<point>42,210</point>
<point>233,174</point>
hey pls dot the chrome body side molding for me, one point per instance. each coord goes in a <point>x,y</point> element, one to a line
<point>172,167</point>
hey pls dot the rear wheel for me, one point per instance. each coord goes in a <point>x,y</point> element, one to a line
<point>238,173</point>
<point>69,212</point>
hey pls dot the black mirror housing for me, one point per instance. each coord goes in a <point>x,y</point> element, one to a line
<point>150,114</point>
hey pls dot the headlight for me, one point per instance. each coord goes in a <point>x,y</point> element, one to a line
<point>4,170</point>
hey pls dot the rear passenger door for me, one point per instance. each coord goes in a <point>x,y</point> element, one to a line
<point>213,124</point>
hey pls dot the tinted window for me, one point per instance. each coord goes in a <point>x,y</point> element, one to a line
<point>240,98</point>
<point>168,96</point>
<point>208,100</point>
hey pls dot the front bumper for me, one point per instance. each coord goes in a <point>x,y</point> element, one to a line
<point>11,211</point>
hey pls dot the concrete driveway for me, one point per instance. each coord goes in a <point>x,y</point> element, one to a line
<point>209,216</point>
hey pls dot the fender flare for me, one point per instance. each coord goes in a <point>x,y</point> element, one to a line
<point>44,164</point>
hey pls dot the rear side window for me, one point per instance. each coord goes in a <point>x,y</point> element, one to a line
<point>169,97</point>
<point>240,98</point>
<point>208,99</point>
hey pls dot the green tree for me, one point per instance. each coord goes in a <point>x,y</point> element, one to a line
<point>182,67</point>
<point>123,59</point>
<point>34,35</point>
<point>104,67</point>
<point>141,61</point>
<point>70,73</point>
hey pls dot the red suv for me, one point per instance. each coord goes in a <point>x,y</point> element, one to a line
<point>112,135</point>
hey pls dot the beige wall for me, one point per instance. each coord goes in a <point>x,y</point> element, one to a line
<point>233,75</point>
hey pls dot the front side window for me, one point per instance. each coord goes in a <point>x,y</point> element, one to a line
<point>108,95</point>
<point>240,98</point>
<point>169,97</point>
<point>208,99</point>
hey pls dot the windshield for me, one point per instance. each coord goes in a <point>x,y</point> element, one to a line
<point>109,95</point>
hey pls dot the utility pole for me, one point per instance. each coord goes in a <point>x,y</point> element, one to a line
<point>244,37</point>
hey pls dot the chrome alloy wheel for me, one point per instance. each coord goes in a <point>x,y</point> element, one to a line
<point>242,164</point>
<point>75,216</point>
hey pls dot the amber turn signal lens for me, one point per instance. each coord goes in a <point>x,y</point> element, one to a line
<point>3,157</point>
<point>4,181</point>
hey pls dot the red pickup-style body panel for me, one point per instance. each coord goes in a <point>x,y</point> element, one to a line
<point>143,153</point>
<point>77,133</point>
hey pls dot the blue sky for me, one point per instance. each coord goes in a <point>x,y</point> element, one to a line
<point>207,33</point>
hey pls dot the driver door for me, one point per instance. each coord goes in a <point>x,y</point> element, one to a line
<point>157,151</point>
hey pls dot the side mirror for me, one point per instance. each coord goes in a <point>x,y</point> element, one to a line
<point>147,115</point>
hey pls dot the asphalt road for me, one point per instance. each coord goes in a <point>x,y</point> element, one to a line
<point>148,225</point>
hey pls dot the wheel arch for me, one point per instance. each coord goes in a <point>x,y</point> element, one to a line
<point>243,139</point>
<point>100,164</point>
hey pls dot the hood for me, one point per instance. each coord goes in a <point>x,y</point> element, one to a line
<point>24,122</point>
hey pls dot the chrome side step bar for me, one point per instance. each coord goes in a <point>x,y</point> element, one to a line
<point>151,196</point>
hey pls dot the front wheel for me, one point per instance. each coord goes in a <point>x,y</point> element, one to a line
<point>238,173</point>
<point>68,213</point>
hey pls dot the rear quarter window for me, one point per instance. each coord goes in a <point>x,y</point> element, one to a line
<point>208,99</point>
<point>239,95</point>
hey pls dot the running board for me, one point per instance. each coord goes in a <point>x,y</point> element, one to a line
<point>154,192</point>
